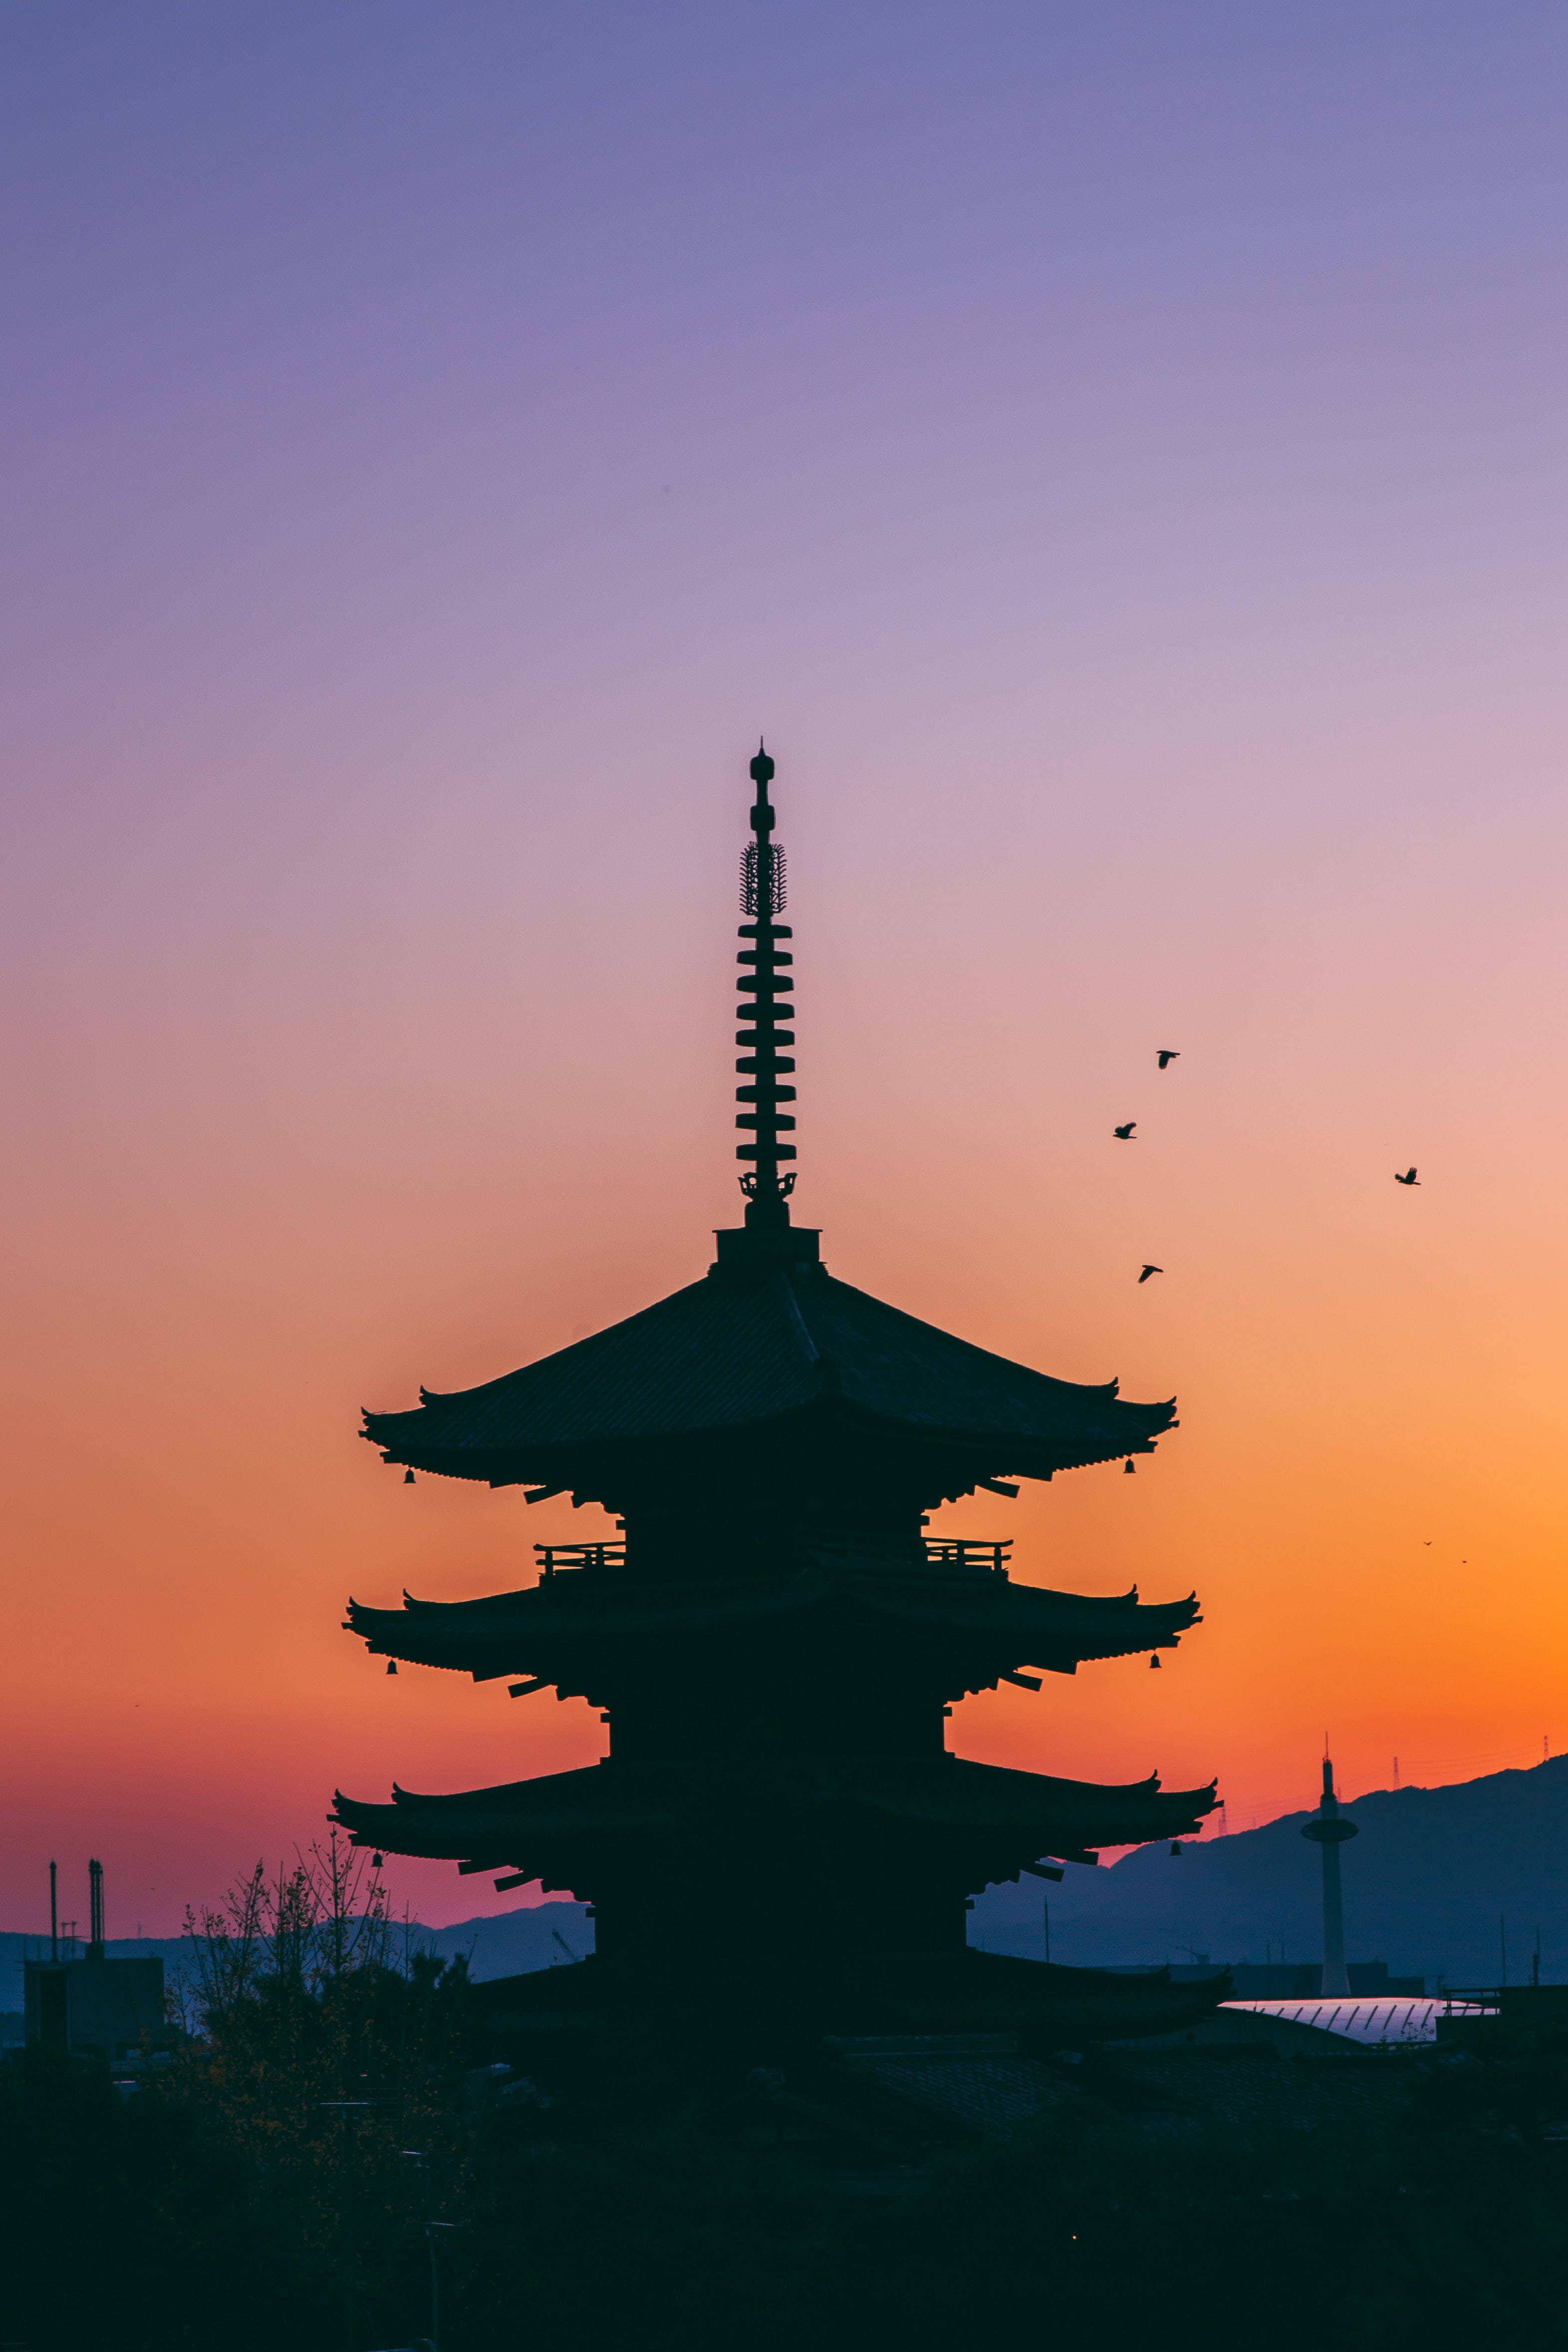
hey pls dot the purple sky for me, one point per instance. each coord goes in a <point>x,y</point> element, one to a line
<point>1117,454</point>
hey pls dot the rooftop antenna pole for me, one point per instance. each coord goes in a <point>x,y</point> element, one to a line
<point>1328,1829</point>
<point>54,1912</point>
<point>95,1910</point>
<point>763,979</point>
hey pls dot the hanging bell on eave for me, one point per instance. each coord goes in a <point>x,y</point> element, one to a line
<point>1154,1662</point>
<point>1176,1848</point>
<point>1129,1466</point>
<point>408,1476</point>
<point>392,1665</point>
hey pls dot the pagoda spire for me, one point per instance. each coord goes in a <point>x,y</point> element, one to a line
<point>764,986</point>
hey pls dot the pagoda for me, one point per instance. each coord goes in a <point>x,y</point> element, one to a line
<point>777,1640</point>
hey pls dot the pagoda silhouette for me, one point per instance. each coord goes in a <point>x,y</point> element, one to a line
<point>777,1641</point>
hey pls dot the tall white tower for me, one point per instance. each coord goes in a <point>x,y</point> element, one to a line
<point>1329,1829</point>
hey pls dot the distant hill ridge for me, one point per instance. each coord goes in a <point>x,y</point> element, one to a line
<point>512,1943</point>
<point>1427,1884</point>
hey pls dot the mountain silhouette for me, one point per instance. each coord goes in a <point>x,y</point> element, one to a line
<point>509,1943</point>
<point>1426,1882</point>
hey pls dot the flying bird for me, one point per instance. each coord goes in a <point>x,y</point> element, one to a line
<point>1168,1053</point>
<point>1407,1178</point>
<point>1149,1270</point>
<point>1125,1134</point>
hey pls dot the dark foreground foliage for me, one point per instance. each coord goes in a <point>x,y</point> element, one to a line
<point>275,2182</point>
<point>281,2183</point>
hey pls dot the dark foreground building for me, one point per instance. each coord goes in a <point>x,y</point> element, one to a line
<point>114,2008</point>
<point>777,1641</point>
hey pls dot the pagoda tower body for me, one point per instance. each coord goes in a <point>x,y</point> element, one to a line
<point>778,1641</point>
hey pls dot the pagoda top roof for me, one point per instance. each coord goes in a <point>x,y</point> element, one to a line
<point>765,1338</point>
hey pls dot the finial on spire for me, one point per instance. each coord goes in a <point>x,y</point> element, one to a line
<point>768,983</point>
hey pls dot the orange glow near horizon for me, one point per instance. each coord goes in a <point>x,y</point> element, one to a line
<point>1361,1489</point>
<point>1117,464</point>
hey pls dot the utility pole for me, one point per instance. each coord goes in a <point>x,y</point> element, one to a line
<point>342,2108</point>
<point>421,2158</point>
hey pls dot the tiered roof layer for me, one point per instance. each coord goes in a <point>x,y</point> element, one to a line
<point>757,1349</point>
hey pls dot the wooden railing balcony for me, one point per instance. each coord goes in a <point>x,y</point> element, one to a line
<point>553,1558</point>
<point>956,1552</point>
<point>941,1551</point>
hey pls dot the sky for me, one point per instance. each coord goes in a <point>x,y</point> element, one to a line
<point>1117,455</point>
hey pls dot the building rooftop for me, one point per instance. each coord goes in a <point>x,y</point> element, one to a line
<point>758,1346</point>
<point>1001,1817</point>
<point>576,1628</point>
<point>1373,2023</point>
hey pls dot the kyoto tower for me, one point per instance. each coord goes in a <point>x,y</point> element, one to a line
<point>1328,1830</point>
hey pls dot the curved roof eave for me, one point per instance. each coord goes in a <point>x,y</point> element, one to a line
<point>413,1441</point>
<point>722,1359</point>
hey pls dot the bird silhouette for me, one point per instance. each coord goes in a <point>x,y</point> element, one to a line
<point>1168,1053</point>
<point>1125,1134</point>
<point>1149,1270</point>
<point>1409,1178</point>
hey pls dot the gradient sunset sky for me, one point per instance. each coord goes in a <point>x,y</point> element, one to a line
<point>1117,454</point>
